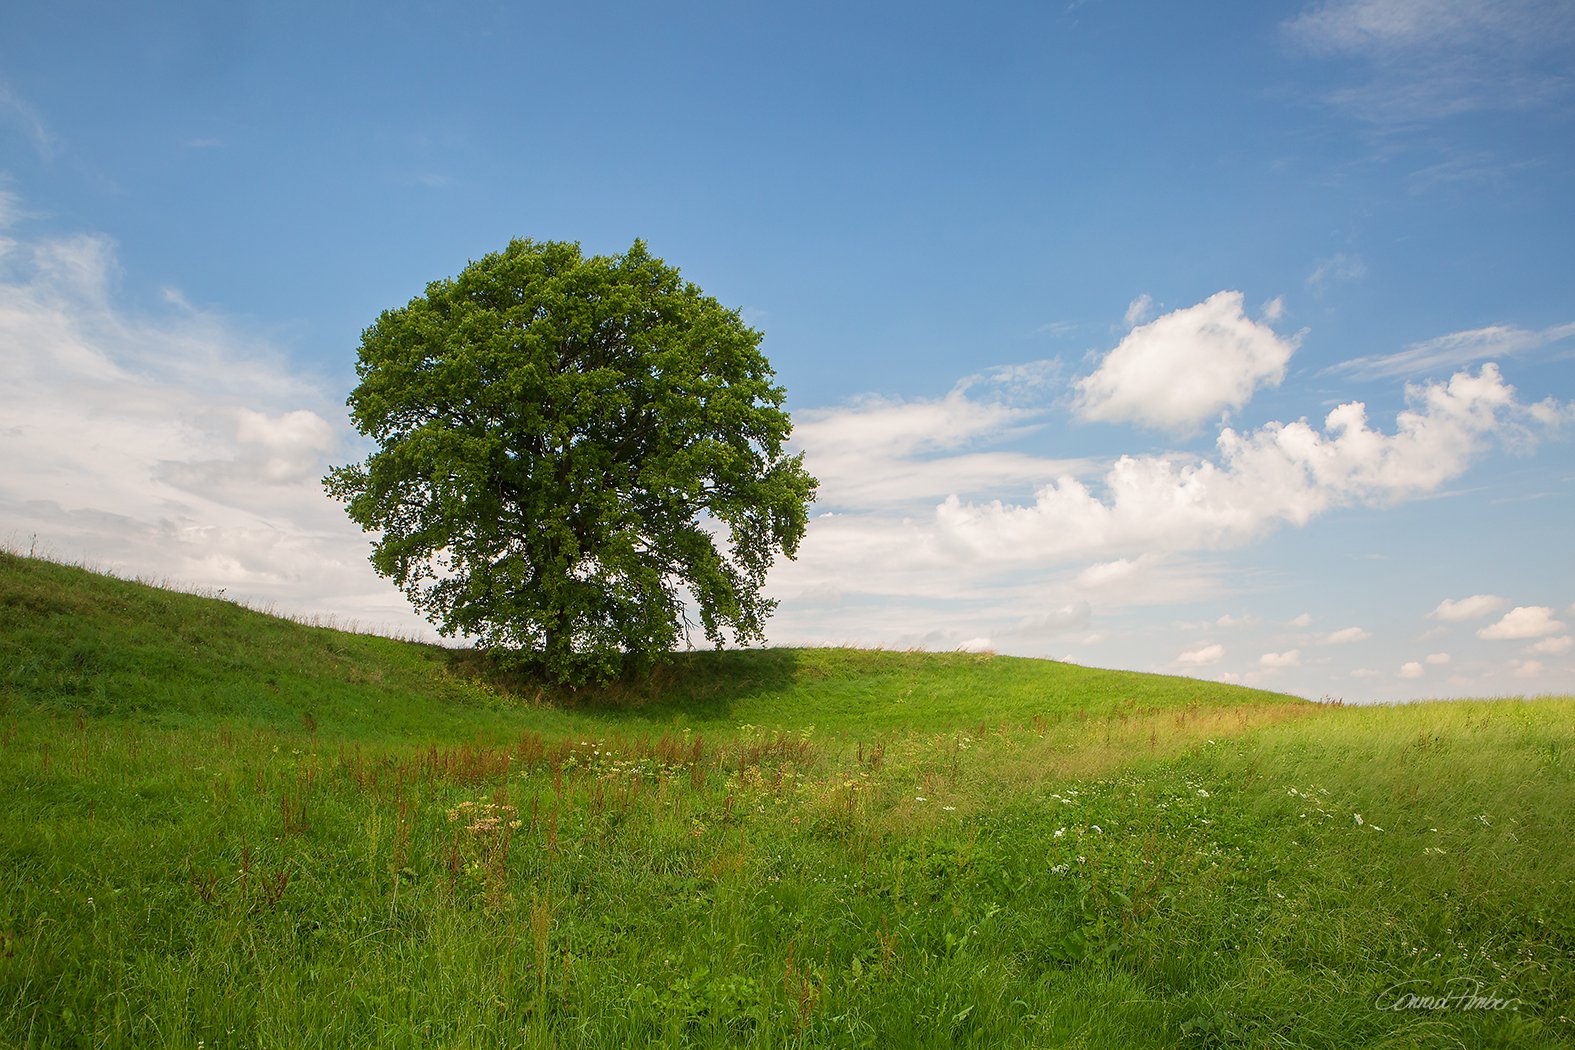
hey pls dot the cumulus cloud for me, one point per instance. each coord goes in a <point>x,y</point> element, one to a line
<point>167,443</point>
<point>1291,658</point>
<point>1472,608</point>
<point>1412,670</point>
<point>1552,646</point>
<point>1203,656</point>
<point>1108,572</point>
<point>1346,634</point>
<point>1186,367</point>
<point>1438,659</point>
<point>921,517</point>
<point>1280,473</point>
<point>1521,622</point>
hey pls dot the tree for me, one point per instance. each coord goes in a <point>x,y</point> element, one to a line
<point>576,456</point>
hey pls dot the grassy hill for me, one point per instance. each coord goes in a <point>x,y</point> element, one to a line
<point>72,640</point>
<point>221,828</point>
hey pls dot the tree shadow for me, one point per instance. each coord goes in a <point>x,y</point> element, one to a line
<point>698,685</point>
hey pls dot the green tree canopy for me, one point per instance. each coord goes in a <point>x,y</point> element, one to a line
<point>575,458</point>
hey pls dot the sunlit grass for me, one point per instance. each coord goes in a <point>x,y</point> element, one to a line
<point>1145,864</point>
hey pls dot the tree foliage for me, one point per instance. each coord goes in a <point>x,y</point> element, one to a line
<point>575,458</point>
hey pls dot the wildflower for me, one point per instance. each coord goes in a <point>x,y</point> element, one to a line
<point>1059,832</point>
<point>919,798</point>
<point>1359,819</point>
<point>1202,793</point>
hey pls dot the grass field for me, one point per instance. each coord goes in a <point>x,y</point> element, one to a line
<point>219,828</point>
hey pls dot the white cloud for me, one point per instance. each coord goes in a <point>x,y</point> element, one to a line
<point>1346,634</point>
<point>1455,350</point>
<point>1388,25</point>
<point>1280,473</point>
<point>1235,621</point>
<point>1552,646</point>
<point>1366,672</point>
<point>1186,367</point>
<point>1072,616</point>
<point>1526,668</point>
<point>1304,620</point>
<point>976,645</point>
<point>11,211</point>
<point>1105,573</point>
<point>1472,608</point>
<point>883,453</point>
<point>1431,59</point>
<point>1291,658</point>
<point>1139,310</point>
<point>169,444</point>
<point>1438,659</point>
<point>1203,656</point>
<point>15,110</point>
<point>1521,622</point>
<point>1412,670</point>
<point>1338,267</point>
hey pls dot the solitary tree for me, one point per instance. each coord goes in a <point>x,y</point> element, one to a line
<point>576,458</point>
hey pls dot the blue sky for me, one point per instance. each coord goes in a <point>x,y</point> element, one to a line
<point>1074,303</point>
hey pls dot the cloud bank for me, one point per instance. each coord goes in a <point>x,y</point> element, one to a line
<point>1280,473</point>
<point>168,444</point>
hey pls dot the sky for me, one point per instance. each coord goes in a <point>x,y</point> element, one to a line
<point>1231,340</point>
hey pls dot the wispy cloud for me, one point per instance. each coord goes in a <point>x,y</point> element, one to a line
<point>16,111</point>
<point>1455,350</point>
<point>1339,267</point>
<point>1432,59</point>
<point>166,442</point>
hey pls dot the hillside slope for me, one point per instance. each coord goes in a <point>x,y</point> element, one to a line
<point>78,641</point>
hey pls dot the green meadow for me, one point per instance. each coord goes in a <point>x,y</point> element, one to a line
<point>220,828</point>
